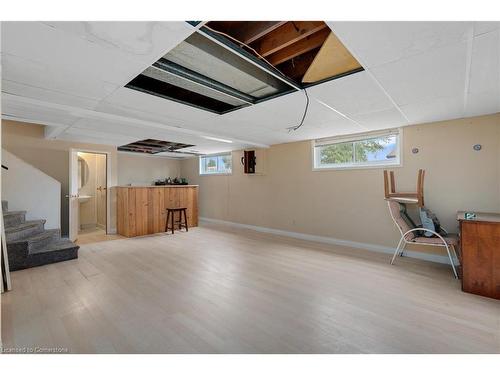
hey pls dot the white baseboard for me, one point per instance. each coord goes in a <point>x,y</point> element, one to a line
<point>332,241</point>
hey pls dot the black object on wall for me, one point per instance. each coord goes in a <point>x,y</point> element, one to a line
<point>248,161</point>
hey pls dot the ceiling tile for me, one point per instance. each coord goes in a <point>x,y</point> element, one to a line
<point>44,77</point>
<point>125,99</point>
<point>485,64</point>
<point>144,41</point>
<point>390,118</point>
<point>483,103</point>
<point>433,74</point>
<point>482,27</point>
<point>377,43</point>
<point>436,109</point>
<point>354,94</point>
<point>59,97</point>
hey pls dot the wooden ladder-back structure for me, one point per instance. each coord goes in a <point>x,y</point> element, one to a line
<point>391,194</point>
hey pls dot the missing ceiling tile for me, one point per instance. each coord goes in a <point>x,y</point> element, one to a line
<point>153,146</point>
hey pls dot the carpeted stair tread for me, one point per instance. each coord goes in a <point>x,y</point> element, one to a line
<point>39,241</point>
<point>24,230</point>
<point>39,236</point>
<point>25,225</point>
<point>13,218</point>
<point>29,244</point>
<point>62,244</point>
<point>10,213</point>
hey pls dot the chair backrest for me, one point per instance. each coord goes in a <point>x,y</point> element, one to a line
<point>401,223</point>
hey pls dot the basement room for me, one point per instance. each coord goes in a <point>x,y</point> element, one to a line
<point>316,184</point>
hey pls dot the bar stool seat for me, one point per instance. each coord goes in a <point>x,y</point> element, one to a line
<point>171,222</point>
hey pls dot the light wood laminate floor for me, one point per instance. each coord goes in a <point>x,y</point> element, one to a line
<point>222,290</point>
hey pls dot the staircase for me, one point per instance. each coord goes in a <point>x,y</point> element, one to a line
<point>29,244</point>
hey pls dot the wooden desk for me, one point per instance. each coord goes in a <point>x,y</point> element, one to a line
<point>142,210</point>
<point>480,253</point>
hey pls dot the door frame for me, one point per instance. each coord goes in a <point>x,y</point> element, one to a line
<point>73,151</point>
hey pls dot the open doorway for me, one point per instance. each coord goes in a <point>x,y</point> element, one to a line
<point>88,195</point>
<point>92,194</point>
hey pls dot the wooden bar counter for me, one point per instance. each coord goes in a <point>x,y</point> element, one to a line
<point>141,210</point>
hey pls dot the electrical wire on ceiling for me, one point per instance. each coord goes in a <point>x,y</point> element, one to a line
<point>296,127</point>
<point>241,44</point>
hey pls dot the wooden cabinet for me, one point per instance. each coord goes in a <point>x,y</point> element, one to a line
<point>142,210</point>
<point>480,254</point>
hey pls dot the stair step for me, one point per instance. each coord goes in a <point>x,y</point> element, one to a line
<point>57,251</point>
<point>39,242</point>
<point>5,206</point>
<point>13,218</point>
<point>24,230</point>
<point>62,244</point>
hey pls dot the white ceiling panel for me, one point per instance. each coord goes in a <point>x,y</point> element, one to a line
<point>169,110</point>
<point>104,58</point>
<point>22,89</point>
<point>144,41</point>
<point>436,109</point>
<point>485,27</point>
<point>86,135</point>
<point>390,118</point>
<point>437,73</point>
<point>354,94</point>
<point>129,130</point>
<point>45,77</point>
<point>482,104</point>
<point>485,64</point>
<point>377,43</point>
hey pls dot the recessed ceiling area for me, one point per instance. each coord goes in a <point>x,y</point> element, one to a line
<point>213,70</point>
<point>153,146</point>
<point>305,51</point>
<point>71,77</point>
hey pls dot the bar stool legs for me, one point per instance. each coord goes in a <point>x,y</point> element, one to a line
<point>181,222</point>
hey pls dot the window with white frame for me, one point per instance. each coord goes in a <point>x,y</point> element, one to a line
<point>361,150</point>
<point>216,164</point>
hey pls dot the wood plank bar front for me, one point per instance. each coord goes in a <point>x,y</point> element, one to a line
<point>142,210</point>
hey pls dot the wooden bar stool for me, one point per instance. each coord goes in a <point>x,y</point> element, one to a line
<point>171,216</point>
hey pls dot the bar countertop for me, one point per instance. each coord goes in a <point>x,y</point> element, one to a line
<point>156,186</point>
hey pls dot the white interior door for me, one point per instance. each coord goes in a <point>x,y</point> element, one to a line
<point>73,195</point>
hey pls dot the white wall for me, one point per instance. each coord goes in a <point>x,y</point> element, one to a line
<point>29,189</point>
<point>144,169</point>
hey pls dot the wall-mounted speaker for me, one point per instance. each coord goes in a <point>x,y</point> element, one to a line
<point>248,161</point>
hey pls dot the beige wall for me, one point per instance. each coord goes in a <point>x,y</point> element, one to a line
<point>144,169</point>
<point>349,204</point>
<point>52,157</point>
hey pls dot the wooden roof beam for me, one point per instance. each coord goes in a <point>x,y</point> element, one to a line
<point>254,30</point>
<point>286,35</point>
<point>298,68</point>
<point>302,46</point>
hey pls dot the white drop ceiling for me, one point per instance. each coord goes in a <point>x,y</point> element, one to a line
<point>70,76</point>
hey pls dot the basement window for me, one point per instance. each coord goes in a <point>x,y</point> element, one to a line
<point>379,149</point>
<point>216,164</point>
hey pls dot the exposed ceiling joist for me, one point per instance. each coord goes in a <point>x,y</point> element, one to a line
<point>255,30</point>
<point>302,46</point>
<point>298,67</point>
<point>286,35</point>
